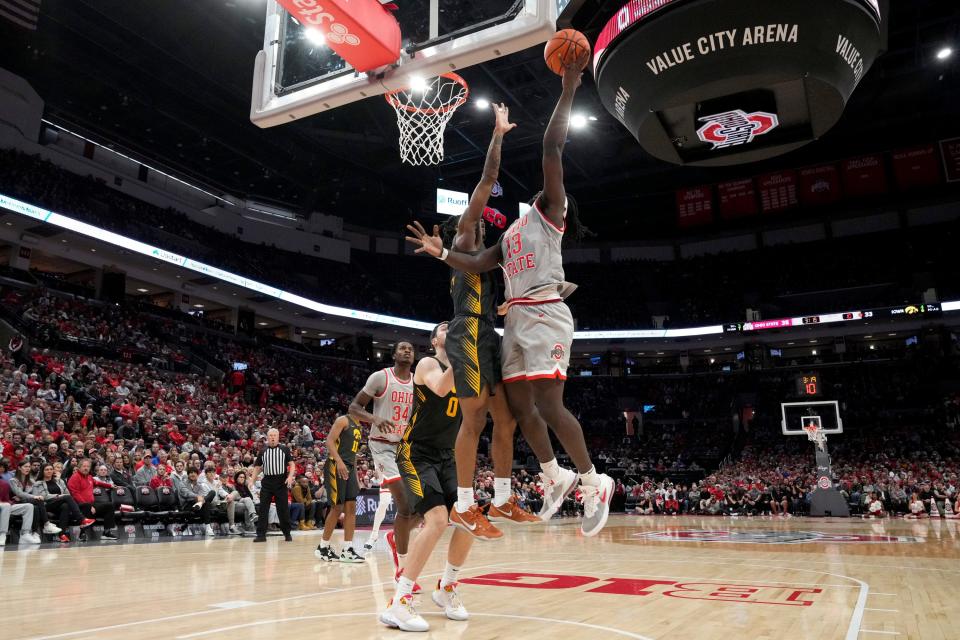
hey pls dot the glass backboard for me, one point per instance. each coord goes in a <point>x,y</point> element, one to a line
<point>798,415</point>
<point>296,75</point>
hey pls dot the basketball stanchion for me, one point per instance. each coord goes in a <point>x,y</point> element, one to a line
<point>423,110</point>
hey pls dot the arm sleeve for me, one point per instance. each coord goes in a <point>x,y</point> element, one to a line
<point>376,384</point>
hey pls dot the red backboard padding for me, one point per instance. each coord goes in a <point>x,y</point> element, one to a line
<point>362,32</point>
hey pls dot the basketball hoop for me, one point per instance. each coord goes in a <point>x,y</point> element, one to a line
<point>816,435</point>
<point>422,116</point>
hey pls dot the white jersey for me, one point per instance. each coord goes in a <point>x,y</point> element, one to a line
<point>392,399</point>
<point>532,258</point>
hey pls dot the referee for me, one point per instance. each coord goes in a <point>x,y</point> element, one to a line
<point>276,465</point>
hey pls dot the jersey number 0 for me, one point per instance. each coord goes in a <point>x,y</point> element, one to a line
<point>452,407</point>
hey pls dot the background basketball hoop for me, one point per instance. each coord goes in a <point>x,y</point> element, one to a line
<point>423,111</point>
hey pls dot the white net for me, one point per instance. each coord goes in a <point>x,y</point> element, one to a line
<point>816,435</point>
<point>422,115</point>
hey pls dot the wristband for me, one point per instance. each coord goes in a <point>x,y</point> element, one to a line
<point>443,255</point>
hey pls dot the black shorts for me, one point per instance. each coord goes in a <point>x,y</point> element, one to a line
<point>429,476</point>
<point>473,346</point>
<point>340,491</point>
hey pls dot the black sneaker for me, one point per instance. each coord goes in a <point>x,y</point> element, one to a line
<point>350,555</point>
<point>327,554</point>
<point>108,535</point>
<point>259,539</point>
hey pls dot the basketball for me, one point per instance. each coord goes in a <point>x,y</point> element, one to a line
<point>567,47</point>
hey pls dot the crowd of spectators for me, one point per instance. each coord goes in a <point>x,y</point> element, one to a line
<point>689,292</point>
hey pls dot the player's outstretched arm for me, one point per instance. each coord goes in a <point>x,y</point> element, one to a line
<point>486,260</point>
<point>553,198</point>
<point>466,239</point>
<point>438,381</point>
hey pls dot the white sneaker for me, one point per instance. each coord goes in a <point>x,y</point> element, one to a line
<point>596,505</point>
<point>29,538</point>
<point>208,531</point>
<point>448,599</point>
<point>51,528</point>
<point>235,530</point>
<point>369,544</point>
<point>555,491</point>
<point>3,539</point>
<point>401,615</point>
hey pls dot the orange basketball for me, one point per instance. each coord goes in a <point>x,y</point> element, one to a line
<point>568,47</point>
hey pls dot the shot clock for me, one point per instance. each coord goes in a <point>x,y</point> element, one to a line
<point>809,385</point>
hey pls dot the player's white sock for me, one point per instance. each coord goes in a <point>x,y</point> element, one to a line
<point>401,559</point>
<point>404,588</point>
<point>347,544</point>
<point>464,499</point>
<point>324,543</point>
<point>591,478</point>
<point>385,500</point>
<point>501,491</point>
<point>450,574</point>
<point>550,469</point>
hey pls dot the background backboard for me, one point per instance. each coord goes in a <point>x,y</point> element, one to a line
<point>297,75</point>
<point>796,415</point>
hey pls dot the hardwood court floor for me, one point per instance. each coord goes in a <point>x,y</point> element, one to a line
<point>642,577</point>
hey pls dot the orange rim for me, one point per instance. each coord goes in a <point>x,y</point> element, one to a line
<point>391,97</point>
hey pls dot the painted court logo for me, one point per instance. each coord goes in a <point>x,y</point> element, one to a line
<point>770,537</point>
<point>557,352</point>
<point>734,128</point>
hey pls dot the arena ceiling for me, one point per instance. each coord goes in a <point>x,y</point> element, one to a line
<point>170,81</point>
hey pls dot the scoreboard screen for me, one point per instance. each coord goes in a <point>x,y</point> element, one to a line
<point>809,385</point>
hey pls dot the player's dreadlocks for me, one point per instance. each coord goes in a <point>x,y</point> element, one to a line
<point>448,231</point>
<point>576,231</point>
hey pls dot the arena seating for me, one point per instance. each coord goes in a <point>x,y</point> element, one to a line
<point>63,390</point>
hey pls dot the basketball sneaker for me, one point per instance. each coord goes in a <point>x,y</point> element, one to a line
<point>392,544</point>
<point>448,599</point>
<point>596,505</point>
<point>350,555</point>
<point>369,544</point>
<point>400,614</point>
<point>327,554</point>
<point>510,512</point>
<point>555,491</point>
<point>475,523</point>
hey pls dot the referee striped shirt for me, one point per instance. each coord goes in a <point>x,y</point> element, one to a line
<point>274,460</point>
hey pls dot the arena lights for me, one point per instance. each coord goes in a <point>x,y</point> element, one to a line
<point>70,224</point>
<point>315,37</point>
<point>578,121</point>
<point>483,103</point>
<point>944,53</point>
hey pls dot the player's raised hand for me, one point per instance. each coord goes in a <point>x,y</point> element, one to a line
<point>431,245</point>
<point>502,124</point>
<point>572,75</point>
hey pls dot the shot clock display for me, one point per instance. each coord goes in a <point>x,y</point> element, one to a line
<point>808,385</point>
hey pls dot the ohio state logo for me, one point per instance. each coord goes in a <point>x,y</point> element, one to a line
<point>770,537</point>
<point>339,34</point>
<point>557,352</point>
<point>737,127</point>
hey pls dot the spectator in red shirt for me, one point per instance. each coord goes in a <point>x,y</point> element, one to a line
<point>161,479</point>
<point>81,486</point>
